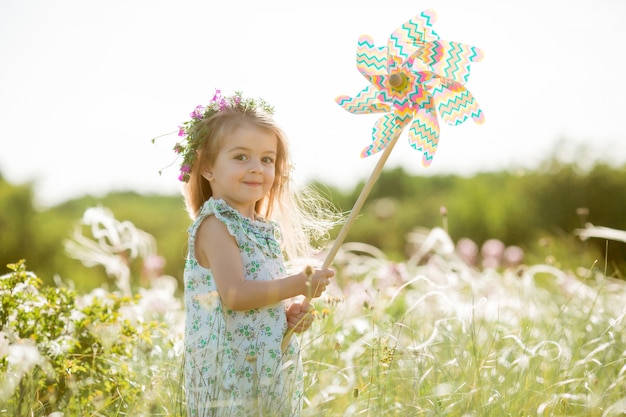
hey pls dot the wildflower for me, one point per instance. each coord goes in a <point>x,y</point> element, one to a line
<point>26,288</point>
<point>184,173</point>
<point>177,348</point>
<point>54,348</point>
<point>467,249</point>
<point>4,344</point>
<point>158,300</point>
<point>197,113</point>
<point>513,256</point>
<point>108,334</point>
<point>492,251</point>
<point>21,357</point>
<point>387,354</point>
<point>153,266</point>
<point>181,132</point>
<point>24,355</point>
<point>65,343</point>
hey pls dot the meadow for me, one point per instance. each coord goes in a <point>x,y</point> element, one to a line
<point>434,334</point>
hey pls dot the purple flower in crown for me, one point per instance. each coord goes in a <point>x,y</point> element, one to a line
<point>181,131</point>
<point>197,113</point>
<point>184,173</point>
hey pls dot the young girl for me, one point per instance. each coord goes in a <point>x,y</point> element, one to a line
<point>236,169</point>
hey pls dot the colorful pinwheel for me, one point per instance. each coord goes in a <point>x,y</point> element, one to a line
<point>411,78</point>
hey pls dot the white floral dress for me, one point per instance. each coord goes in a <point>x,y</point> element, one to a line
<point>233,360</point>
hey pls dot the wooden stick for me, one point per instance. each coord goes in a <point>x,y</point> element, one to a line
<point>343,233</point>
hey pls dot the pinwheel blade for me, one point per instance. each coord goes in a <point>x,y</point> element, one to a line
<point>370,59</point>
<point>406,40</point>
<point>365,102</point>
<point>449,59</point>
<point>456,104</point>
<point>385,130</point>
<point>424,132</point>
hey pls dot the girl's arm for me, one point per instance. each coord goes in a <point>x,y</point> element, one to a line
<point>217,249</point>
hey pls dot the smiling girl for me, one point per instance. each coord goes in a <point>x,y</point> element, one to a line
<point>245,217</point>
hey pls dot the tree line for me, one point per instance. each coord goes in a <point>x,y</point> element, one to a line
<point>537,210</point>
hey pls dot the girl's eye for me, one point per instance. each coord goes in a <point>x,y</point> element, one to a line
<point>268,160</point>
<point>241,157</point>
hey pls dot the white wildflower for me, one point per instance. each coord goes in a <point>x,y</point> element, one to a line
<point>114,243</point>
<point>108,334</point>
<point>22,357</point>
<point>4,344</point>
<point>160,299</point>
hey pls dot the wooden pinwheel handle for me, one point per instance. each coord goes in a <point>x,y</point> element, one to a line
<point>343,233</point>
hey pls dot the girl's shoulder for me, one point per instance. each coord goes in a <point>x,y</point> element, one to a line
<point>223,211</point>
<point>237,224</point>
<point>218,208</point>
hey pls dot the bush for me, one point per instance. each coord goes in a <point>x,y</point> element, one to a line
<point>82,355</point>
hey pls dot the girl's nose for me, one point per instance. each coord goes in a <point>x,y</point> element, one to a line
<point>255,165</point>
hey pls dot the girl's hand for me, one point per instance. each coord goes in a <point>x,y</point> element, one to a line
<point>298,319</point>
<point>317,281</point>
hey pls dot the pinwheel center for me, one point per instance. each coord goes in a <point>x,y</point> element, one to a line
<point>397,81</point>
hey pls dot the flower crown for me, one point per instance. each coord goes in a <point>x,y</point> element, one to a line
<point>188,147</point>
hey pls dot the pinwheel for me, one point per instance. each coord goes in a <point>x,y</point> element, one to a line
<point>411,79</point>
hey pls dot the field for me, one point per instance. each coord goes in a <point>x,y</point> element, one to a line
<point>428,336</point>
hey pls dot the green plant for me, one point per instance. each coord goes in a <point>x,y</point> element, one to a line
<point>83,355</point>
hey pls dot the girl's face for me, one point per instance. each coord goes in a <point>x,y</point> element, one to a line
<point>244,170</point>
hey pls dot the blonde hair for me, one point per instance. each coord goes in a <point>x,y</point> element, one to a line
<point>304,217</point>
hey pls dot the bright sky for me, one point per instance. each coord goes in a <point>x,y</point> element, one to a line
<point>85,85</point>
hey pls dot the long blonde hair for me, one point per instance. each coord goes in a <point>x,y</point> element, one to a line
<point>304,217</point>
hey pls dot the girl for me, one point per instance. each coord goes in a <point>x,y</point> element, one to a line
<point>236,170</point>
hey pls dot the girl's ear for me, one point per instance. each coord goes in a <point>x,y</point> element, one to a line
<point>207,174</point>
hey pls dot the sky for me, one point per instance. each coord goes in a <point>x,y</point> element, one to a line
<point>85,85</point>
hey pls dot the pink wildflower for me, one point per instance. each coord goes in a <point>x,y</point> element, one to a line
<point>181,131</point>
<point>197,113</point>
<point>185,168</point>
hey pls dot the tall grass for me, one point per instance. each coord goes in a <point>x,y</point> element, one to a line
<point>430,336</point>
<point>441,338</point>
